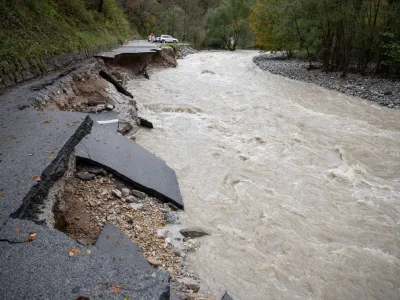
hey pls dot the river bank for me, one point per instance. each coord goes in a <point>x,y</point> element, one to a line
<point>384,92</point>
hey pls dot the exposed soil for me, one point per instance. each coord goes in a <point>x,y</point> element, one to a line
<point>87,205</point>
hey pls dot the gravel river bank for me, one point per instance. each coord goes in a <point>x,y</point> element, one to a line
<point>384,92</point>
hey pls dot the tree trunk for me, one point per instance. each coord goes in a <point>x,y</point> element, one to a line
<point>101,6</point>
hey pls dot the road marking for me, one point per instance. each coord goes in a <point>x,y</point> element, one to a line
<point>108,121</point>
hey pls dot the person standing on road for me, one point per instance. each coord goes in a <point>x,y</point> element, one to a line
<point>149,39</point>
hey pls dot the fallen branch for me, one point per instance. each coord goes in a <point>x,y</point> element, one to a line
<point>117,85</point>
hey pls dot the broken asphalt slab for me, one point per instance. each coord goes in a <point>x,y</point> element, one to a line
<point>131,162</point>
<point>226,297</point>
<point>35,148</point>
<point>42,263</point>
<point>120,246</point>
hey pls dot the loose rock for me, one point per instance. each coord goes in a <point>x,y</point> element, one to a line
<point>125,192</point>
<point>139,194</point>
<point>190,283</point>
<point>200,297</point>
<point>109,107</point>
<point>85,176</point>
<point>193,232</point>
<point>136,206</point>
<point>97,171</point>
<point>130,199</point>
<point>117,193</point>
<point>172,217</point>
<point>124,128</point>
<point>154,262</point>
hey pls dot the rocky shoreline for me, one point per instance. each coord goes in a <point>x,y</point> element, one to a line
<point>383,92</point>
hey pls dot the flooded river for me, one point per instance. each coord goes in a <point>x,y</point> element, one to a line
<point>298,185</point>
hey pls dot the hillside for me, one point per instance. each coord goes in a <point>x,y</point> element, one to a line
<point>31,30</point>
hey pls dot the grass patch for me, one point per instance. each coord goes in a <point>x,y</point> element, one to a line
<point>174,47</point>
<point>34,29</point>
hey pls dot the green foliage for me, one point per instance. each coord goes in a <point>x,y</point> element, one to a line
<point>228,23</point>
<point>189,20</point>
<point>361,34</point>
<point>33,29</point>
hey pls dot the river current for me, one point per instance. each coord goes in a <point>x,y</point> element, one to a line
<point>298,185</point>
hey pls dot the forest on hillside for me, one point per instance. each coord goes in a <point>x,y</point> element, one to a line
<point>357,35</point>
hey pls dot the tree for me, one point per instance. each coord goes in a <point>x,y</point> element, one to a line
<point>229,22</point>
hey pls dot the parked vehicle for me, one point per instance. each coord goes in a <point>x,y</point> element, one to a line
<point>167,39</point>
<point>157,39</point>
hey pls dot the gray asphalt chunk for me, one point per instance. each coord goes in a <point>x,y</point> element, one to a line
<point>122,249</point>
<point>42,268</point>
<point>226,297</point>
<point>133,47</point>
<point>131,162</point>
<point>34,151</point>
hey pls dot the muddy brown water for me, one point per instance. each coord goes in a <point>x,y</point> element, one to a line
<point>299,185</point>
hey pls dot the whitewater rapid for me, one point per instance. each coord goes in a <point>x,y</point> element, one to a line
<point>298,185</point>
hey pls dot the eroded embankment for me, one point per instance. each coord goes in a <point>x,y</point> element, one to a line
<point>86,198</point>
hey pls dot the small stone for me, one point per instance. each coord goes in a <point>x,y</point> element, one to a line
<point>117,210</point>
<point>97,171</point>
<point>130,199</point>
<point>200,297</point>
<point>190,283</point>
<point>161,233</point>
<point>85,176</point>
<point>139,194</point>
<point>176,252</point>
<point>117,193</point>
<point>100,107</point>
<point>125,192</point>
<point>193,232</point>
<point>132,102</point>
<point>124,128</point>
<point>154,262</point>
<point>191,245</point>
<point>109,107</point>
<point>171,217</point>
<point>136,206</point>
<point>111,218</point>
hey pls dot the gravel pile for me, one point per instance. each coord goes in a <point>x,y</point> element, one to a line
<point>384,92</point>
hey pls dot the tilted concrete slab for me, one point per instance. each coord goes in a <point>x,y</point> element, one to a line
<point>34,151</point>
<point>125,158</point>
<point>43,268</point>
